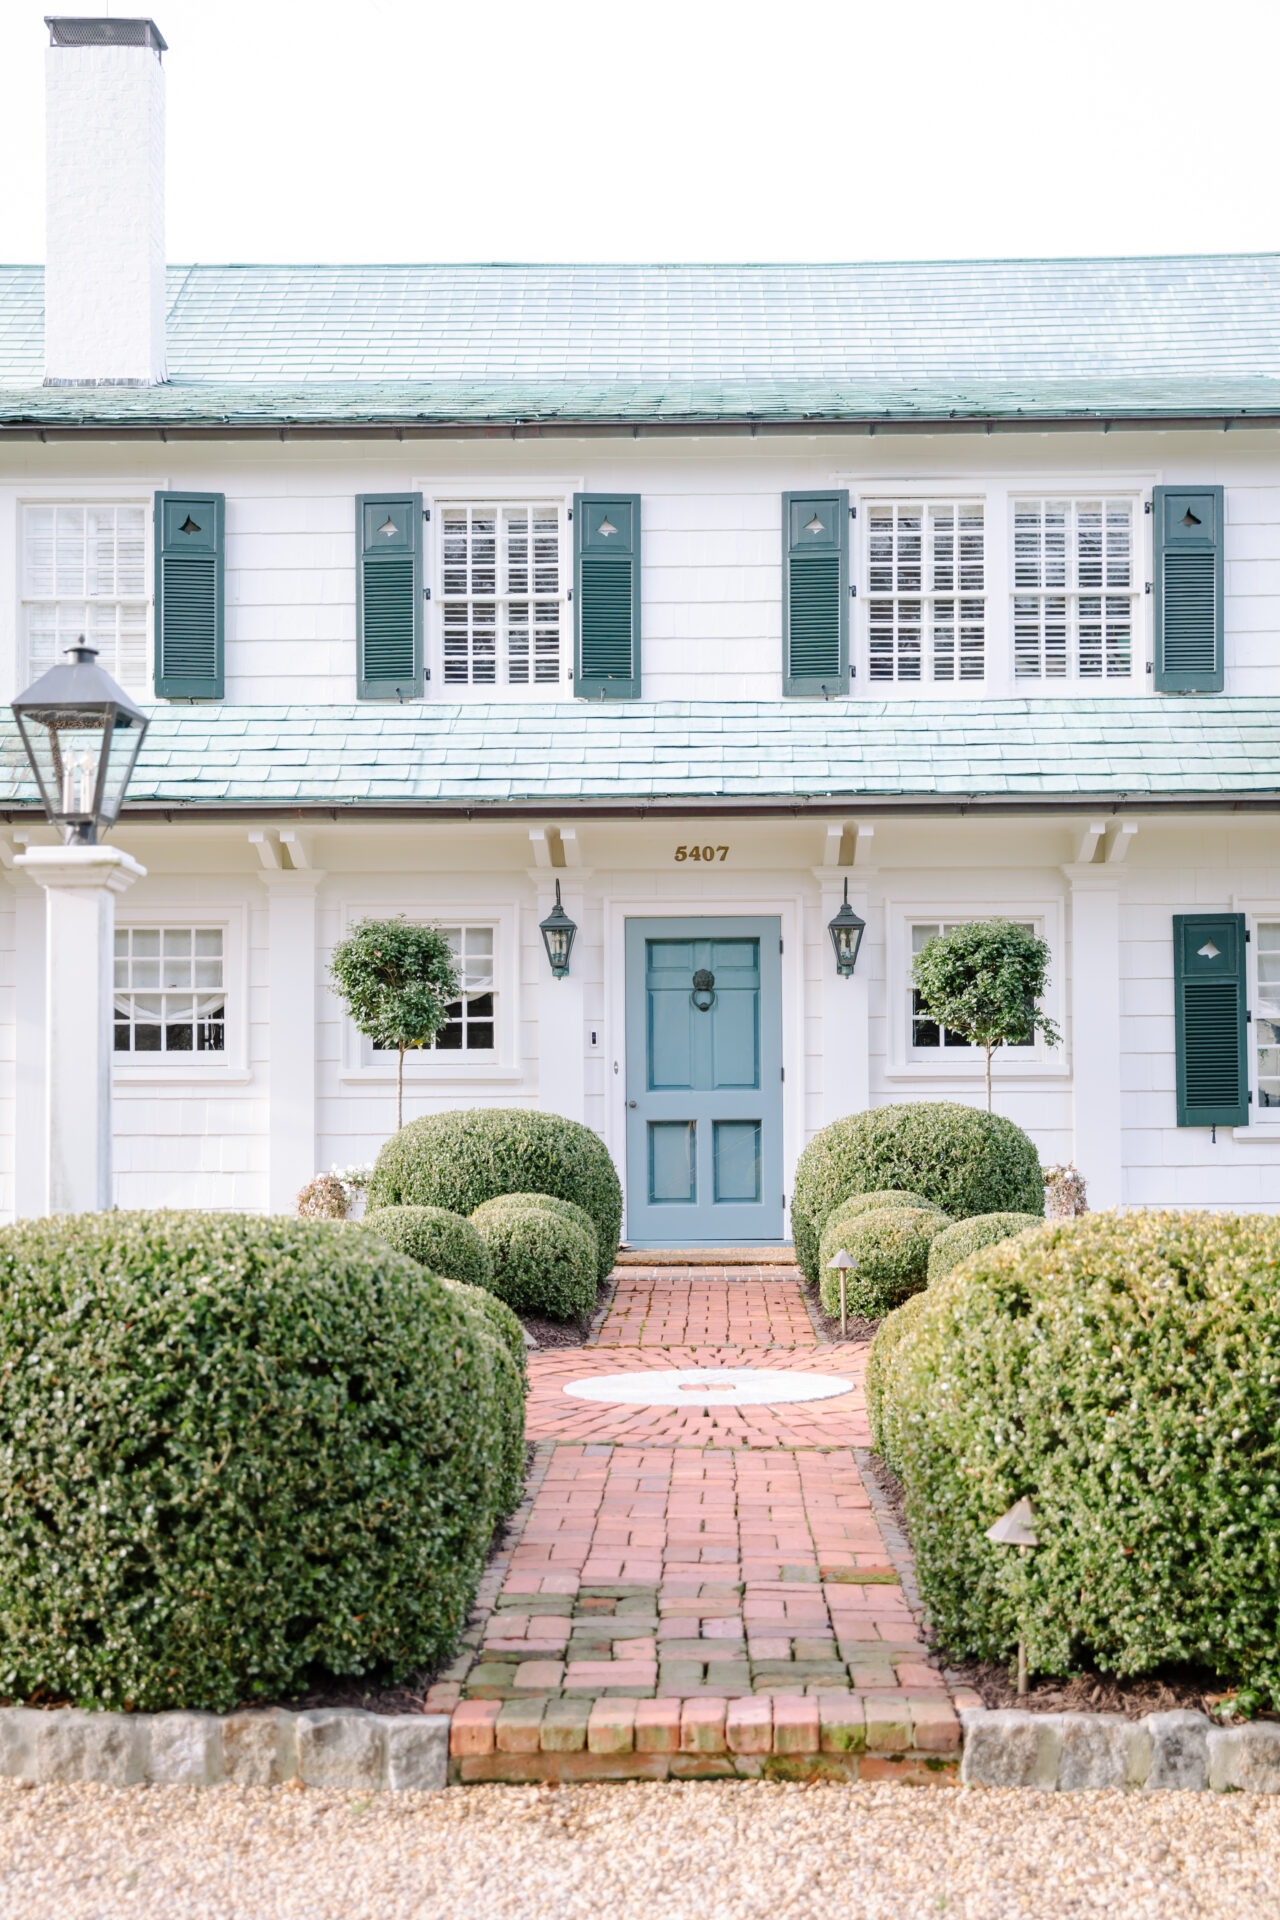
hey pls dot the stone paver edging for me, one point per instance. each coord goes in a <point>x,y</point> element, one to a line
<point>1073,1751</point>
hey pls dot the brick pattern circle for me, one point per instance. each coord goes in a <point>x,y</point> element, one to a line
<point>707,1386</point>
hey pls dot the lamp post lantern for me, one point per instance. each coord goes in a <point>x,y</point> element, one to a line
<point>82,735</point>
<point>846,929</point>
<point>557,932</point>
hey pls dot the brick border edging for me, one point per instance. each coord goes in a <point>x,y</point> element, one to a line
<point>1009,1747</point>
<point>322,1747</point>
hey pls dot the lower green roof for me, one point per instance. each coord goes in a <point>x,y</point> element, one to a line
<point>625,753</point>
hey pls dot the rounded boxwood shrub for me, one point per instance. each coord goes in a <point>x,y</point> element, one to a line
<point>500,1326</point>
<point>967,1236</point>
<point>959,1158</point>
<point>541,1263</point>
<point>563,1210</point>
<point>442,1241</point>
<point>1123,1372</point>
<point>891,1246</point>
<point>234,1452</point>
<point>460,1159</point>
<point>859,1203</point>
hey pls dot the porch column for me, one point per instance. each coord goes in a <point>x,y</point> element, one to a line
<point>846,1004</point>
<point>291,1026</point>
<point>562,1033</point>
<point>1094,1036</point>
<point>30,1174</point>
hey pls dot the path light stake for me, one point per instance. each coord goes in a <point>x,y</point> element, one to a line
<point>844,1264</point>
<point>1017,1528</point>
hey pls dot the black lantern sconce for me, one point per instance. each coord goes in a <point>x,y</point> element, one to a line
<point>557,932</point>
<point>846,929</point>
<point>82,735</point>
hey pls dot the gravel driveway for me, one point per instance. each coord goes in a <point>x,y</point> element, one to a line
<point>638,1852</point>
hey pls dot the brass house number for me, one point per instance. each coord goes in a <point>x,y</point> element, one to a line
<point>702,853</point>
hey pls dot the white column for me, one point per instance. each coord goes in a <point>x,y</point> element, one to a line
<point>846,1023</point>
<point>1094,1037</point>
<point>291,1025</point>
<point>30,1155</point>
<point>562,1030</point>
<point>81,884</point>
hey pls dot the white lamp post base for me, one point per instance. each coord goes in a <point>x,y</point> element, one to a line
<point>81,884</point>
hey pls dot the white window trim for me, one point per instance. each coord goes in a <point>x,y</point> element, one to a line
<point>1264,1122</point>
<point>462,490</point>
<point>948,494</point>
<point>1140,630</point>
<point>997,491</point>
<point>92,493</point>
<point>229,1068</point>
<point>967,1064</point>
<point>361,1066</point>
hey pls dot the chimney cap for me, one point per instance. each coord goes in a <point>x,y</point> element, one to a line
<point>71,30</point>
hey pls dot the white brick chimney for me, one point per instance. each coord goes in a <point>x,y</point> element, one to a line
<point>104,284</point>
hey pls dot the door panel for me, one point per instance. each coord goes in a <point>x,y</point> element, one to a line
<point>704,1074</point>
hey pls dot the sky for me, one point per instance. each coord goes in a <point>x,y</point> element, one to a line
<point>383,130</point>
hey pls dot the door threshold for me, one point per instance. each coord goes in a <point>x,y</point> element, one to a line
<point>776,1255</point>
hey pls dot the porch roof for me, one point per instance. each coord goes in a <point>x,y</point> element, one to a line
<point>426,347</point>
<point>778,755</point>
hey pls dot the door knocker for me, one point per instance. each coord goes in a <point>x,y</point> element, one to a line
<point>703,995</point>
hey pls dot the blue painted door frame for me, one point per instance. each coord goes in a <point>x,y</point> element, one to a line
<point>704,1082</point>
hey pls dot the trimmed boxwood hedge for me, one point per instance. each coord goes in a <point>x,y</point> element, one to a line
<point>500,1326</point>
<point>563,1209</point>
<point>1123,1371</point>
<point>234,1452</point>
<point>891,1246</point>
<point>967,1236</point>
<point>444,1242</point>
<point>541,1263</point>
<point>959,1158</point>
<point>462,1158</point>
<point>859,1203</point>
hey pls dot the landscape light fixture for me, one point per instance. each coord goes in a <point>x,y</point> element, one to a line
<point>844,1263</point>
<point>846,929</point>
<point>82,736</point>
<point>1017,1528</point>
<point>557,932</point>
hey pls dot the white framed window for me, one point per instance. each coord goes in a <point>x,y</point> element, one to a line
<point>917,1049</point>
<point>502,598</point>
<point>1075,615</point>
<point>1266,1019</point>
<point>925,591</point>
<point>929,1037</point>
<point>472,1025</point>
<point>170,990</point>
<point>84,572</point>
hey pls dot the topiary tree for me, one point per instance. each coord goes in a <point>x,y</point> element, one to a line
<point>397,978</point>
<point>983,980</point>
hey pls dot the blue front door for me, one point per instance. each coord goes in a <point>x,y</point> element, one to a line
<point>704,1083</point>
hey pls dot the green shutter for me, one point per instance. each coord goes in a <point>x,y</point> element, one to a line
<point>1210,1019</point>
<point>389,596</point>
<point>189,604</point>
<point>815,593</point>
<point>606,595</point>
<point>1188,589</point>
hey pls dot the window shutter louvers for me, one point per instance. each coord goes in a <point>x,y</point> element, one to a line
<point>606,595</point>
<point>1188,589</point>
<point>815,593</point>
<point>189,595</point>
<point>389,596</point>
<point>1209,984</point>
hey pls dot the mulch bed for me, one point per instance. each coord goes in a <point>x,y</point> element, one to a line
<point>1099,1692</point>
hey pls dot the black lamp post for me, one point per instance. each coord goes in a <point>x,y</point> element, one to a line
<point>82,735</point>
<point>557,932</point>
<point>846,929</point>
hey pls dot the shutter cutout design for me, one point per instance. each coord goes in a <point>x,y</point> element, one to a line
<point>389,596</point>
<point>1188,589</point>
<point>189,595</point>
<point>1209,984</point>
<point>606,597</point>
<point>815,593</point>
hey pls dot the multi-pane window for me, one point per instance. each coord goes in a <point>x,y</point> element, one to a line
<point>930,1033</point>
<point>1267,1022</point>
<point>1073,604</point>
<point>501,602</point>
<point>170,990</point>
<point>470,1026</point>
<point>83,573</point>
<point>926,578</point>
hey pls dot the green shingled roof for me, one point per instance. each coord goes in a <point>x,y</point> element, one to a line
<point>432,345</point>
<point>487,757</point>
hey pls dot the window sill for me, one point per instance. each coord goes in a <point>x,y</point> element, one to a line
<point>1041,1069</point>
<point>1262,1133</point>
<point>181,1074</point>
<point>482,1070</point>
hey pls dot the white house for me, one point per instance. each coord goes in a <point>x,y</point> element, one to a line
<point>699,592</point>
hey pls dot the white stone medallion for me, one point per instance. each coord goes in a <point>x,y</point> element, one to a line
<point>708,1387</point>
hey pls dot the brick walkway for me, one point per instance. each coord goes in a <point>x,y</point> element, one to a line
<point>703,1590</point>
